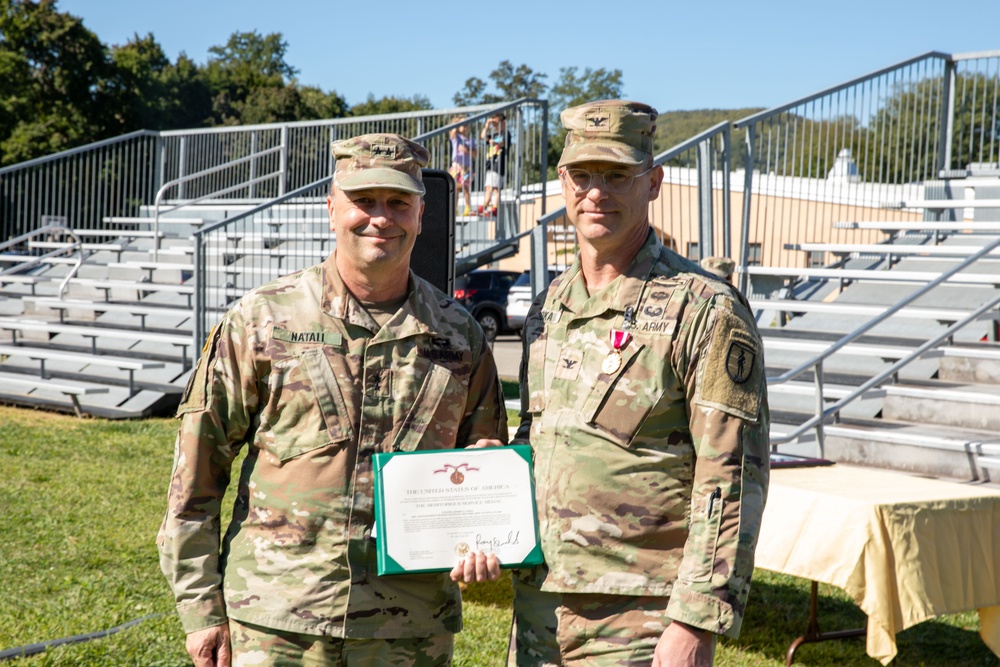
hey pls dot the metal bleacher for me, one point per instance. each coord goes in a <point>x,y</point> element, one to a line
<point>103,283</point>
<point>879,298</point>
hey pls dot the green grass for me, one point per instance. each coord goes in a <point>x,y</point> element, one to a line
<point>81,501</point>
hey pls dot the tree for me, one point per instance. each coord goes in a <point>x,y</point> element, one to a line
<point>315,104</point>
<point>510,83</point>
<point>390,104</point>
<point>187,96</point>
<point>572,90</point>
<point>248,62</point>
<point>149,92</point>
<point>54,72</point>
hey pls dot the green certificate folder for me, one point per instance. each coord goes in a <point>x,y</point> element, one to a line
<point>434,507</point>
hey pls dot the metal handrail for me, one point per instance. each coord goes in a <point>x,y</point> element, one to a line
<point>76,267</point>
<point>76,151</point>
<point>199,333</point>
<point>817,360</point>
<point>774,111</point>
<point>76,244</point>
<point>818,419</point>
<point>486,113</point>
<point>205,172</point>
<point>212,170</point>
<point>328,122</point>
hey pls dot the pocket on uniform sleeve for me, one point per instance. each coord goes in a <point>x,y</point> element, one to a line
<point>703,539</point>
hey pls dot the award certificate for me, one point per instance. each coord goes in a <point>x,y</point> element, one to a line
<point>433,507</point>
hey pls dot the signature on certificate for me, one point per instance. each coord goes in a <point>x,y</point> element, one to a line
<point>494,543</point>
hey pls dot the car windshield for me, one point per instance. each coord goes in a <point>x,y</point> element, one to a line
<point>524,279</point>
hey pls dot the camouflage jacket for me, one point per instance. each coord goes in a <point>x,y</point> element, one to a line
<point>300,373</point>
<point>650,468</point>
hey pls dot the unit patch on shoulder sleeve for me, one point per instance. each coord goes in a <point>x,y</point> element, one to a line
<point>739,361</point>
<point>732,368</point>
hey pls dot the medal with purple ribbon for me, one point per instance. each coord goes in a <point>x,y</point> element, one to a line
<point>613,361</point>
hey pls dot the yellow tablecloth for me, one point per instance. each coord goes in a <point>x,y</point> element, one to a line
<point>905,548</point>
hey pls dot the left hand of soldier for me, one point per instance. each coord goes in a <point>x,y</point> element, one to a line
<point>682,645</point>
<point>477,566</point>
<point>485,442</point>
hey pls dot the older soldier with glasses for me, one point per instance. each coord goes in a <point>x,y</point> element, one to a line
<point>643,398</point>
<point>313,374</point>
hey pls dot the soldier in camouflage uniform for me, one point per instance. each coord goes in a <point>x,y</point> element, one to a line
<point>643,397</point>
<point>316,372</point>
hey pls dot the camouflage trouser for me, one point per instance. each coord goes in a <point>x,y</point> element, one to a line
<point>583,629</point>
<point>254,646</point>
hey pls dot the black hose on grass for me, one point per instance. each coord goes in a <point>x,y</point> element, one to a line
<point>32,649</point>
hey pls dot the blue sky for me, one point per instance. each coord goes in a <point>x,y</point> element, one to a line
<point>673,55</point>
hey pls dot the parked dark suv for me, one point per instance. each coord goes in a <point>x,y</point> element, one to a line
<point>484,294</point>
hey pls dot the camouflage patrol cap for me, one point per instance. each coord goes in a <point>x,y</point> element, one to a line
<point>720,266</point>
<point>379,161</point>
<point>609,131</point>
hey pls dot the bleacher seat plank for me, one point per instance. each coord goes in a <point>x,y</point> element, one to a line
<point>921,226</point>
<point>119,247</point>
<point>149,221</point>
<point>109,284</point>
<point>893,275</point>
<point>942,203</point>
<point>793,306</point>
<point>15,325</point>
<point>890,249</point>
<point>142,311</point>
<point>71,390</point>
<point>128,233</point>
<point>889,352</point>
<point>121,363</point>
<point>830,391</point>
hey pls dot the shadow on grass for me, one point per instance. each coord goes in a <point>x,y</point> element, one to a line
<point>497,594</point>
<point>778,613</point>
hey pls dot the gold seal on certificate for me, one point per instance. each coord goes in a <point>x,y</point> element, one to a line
<point>432,508</point>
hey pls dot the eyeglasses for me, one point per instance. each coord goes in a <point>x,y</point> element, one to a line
<point>616,181</point>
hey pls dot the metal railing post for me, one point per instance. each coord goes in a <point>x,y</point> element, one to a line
<point>253,165</point>
<point>745,227</point>
<point>727,245</point>
<point>182,167</point>
<point>820,407</point>
<point>544,176</point>
<point>161,162</point>
<point>199,295</point>
<point>947,116</point>
<point>283,165</point>
<point>539,259</point>
<point>706,232</point>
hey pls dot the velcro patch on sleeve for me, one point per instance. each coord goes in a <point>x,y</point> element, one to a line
<point>196,393</point>
<point>732,376</point>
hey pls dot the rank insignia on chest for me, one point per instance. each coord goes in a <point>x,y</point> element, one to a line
<point>568,364</point>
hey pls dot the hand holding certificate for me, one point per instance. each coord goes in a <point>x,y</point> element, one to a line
<point>433,508</point>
